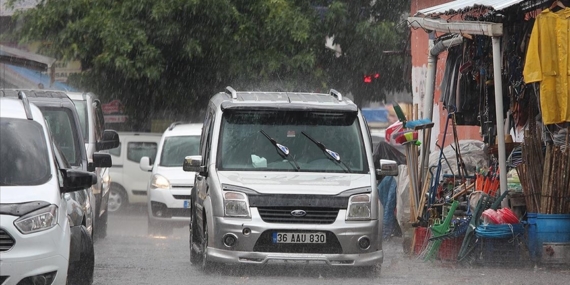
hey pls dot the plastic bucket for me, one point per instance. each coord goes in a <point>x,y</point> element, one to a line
<point>546,228</point>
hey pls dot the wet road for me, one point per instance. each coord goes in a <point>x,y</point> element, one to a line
<point>129,256</point>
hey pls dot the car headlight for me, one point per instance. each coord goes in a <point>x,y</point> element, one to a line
<point>359,208</point>
<point>236,204</point>
<point>159,182</point>
<point>36,221</point>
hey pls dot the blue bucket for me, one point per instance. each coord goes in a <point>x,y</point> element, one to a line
<point>546,228</point>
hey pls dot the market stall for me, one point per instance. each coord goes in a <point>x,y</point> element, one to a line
<point>511,199</point>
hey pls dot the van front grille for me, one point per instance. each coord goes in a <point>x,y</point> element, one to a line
<point>6,241</point>
<point>286,215</point>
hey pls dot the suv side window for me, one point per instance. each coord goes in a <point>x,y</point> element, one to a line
<point>136,150</point>
<point>63,129</point>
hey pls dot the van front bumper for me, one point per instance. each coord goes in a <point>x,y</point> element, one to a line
<point>253,245</point>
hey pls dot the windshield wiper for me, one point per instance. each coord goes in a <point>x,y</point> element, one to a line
<point>332,155</point>
<point>282,150</point>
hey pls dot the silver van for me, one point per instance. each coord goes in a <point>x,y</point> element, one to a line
<point>285,177</point>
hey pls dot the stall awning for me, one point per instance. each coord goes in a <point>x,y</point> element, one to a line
<point>460,6</point>
<point>19,77</point>
<point>26,59</point>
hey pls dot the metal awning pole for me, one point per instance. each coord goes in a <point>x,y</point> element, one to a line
<point>499,113</point>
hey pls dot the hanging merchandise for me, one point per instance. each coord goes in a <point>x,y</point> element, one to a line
<point>459,85</point>
<point>547,62</point>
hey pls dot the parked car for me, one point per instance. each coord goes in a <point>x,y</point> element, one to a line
<point>128,181</point>
<point>92,123</point>
<point>169,187</point>
<point>41,239</point>
<point>285,177</point>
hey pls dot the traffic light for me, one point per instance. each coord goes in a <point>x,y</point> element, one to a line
<point>370,78</point>
<point>371,86</point>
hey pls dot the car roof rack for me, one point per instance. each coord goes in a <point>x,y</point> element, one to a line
<point>22,96</point>
<point>231,91</point>
<point>336,94</point>
<point>171,127</point>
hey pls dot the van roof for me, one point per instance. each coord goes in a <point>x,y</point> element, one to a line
<point>41,97</point>
<point>181,129</point>
<point>333,101</point>
<point>14,108</point>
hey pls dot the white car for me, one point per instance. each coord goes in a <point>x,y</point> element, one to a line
<point>35,183</point>
<point>170,187</point>
<point>128,181</point>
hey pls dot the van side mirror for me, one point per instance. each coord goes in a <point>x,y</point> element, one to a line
<point>387,168</point>
<point>109,140</point>
<point>193,163</point>
<point>102,160</point>
<point>145,164</point>
<point>75,180</point>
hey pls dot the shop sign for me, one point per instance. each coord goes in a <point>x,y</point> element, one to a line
<point>114,106</point>
<point>115,118</point>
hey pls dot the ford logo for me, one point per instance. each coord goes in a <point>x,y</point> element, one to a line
<point>298,213</point>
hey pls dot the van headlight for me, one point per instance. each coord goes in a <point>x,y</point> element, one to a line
<point>236,204</point>
<point>359,207</point>
<point>159,182</point>
<point>36,221</point>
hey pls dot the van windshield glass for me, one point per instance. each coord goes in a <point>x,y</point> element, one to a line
<point>176,148</point>
<point>244,147</point>
<point>24,156</point>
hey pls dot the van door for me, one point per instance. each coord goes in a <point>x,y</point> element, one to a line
<point>200,182</point>
<point>132,172</point>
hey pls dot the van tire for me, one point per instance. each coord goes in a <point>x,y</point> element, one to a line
<point>207,266</point>
<point>195,257</point>
<point>81,272</point>
<point>118,199</point>
<point>101,231</point>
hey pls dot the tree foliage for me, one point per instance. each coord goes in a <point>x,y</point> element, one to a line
<point>175,54</point>
<point>373,40</point>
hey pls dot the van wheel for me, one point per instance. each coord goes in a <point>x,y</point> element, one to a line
<point>117,199</point>
<point>195,256</point>
<point>207,266</point>
<point>81,272</point>
<point>101,231</point>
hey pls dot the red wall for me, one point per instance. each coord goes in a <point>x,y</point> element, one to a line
<point>419,49</point>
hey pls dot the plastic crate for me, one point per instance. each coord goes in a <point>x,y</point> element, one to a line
<point>449,249</point>
<point>546,228</point>
<point>421,236</point>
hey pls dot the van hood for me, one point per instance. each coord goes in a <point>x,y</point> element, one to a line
<point>295,182</point>
<point>24,194</point>
<point>176,175</point>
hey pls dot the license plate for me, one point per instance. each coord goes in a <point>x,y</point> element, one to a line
<point>186,204</point>
<point>299,237</point>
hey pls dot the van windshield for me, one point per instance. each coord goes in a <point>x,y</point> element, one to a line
<point>244,146</point>
<point>176,148</point>
<point>24,156</point>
